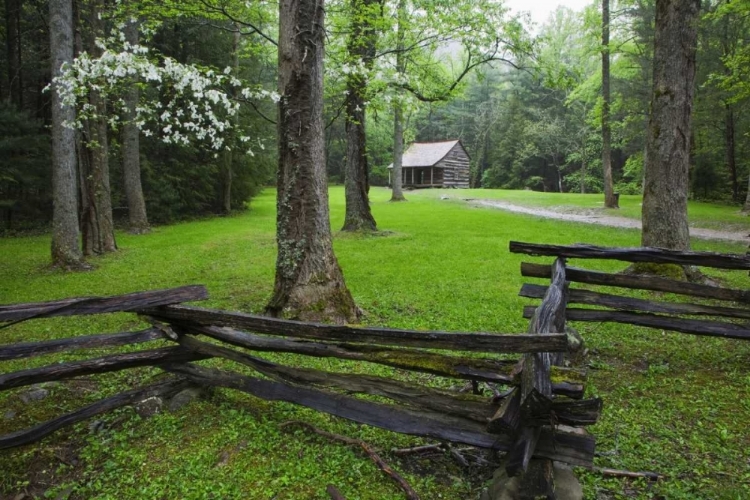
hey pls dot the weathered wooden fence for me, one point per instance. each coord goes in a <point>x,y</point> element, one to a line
<point>540,418</point>
<point>659,314</point>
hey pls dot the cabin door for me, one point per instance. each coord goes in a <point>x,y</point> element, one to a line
<point>419,177</point>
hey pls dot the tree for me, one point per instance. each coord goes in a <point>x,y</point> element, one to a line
<point>13,47</point>
<point>309,283</point>
<point>361,51</point>
<point>65,250</point>
<point>131,149</point>
<point>609,197</point>
<point>98,229</point>
<point>664,216</point>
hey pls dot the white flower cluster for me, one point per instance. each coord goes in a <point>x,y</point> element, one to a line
<point>191,104</point>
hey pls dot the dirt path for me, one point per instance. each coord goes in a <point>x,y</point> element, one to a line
<point>592,217</point>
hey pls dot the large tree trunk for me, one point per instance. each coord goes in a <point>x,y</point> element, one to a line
<point>65,250</point>
<point>97,223</point>
<point>309,283</point>
<point>360,47</point>
<point>13,46</point>
<point>131,151</point>
<point>226,177</point>
<point>610,201</point>
<point>665,222</point>
<point>397,193</point>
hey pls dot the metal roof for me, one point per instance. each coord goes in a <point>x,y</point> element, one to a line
<point>426,154</point>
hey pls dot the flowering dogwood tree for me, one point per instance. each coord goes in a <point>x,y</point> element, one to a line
<point>193,105</point>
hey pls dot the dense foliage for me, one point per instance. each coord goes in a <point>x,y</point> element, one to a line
<point>531,124</point>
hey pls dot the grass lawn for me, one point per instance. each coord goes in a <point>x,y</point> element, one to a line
<point>674,404</point>
<point>701,214</point>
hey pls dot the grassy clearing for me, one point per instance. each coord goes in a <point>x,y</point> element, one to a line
<point>674,404</point>
<point>701,214</point>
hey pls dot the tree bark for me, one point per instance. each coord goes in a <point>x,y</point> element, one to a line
<point>360,47</point>
<point>13,46</point>
<point>731,149</point>
<point>309,282</point>
<point>131,151</point>
<point>397,193</point>
<point>226,181</point>
<point>65,250</point>
<point>665,194</point>
<point>98,229</point>
<point>610,201</point>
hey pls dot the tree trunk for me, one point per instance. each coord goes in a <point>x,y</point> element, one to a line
<point>397,193</point>
<point>665,223</point>
<point>360,47</point>
<point>226,184</point>
<point>65,250</point>
<point>610,201</point>
<point>731,149</point>
<point>309,283</point>
<point>583,170</point>
<point>131,150</point>
<point>97,224</point>
<point>13,46</point>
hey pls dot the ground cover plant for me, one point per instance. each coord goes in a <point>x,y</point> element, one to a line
<point>674,404</point>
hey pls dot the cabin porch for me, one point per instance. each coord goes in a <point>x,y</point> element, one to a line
<point>420,177</point>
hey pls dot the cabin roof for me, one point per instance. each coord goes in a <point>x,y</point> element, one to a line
<point>426,154</point>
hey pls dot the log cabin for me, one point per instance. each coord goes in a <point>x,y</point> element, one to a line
<point>434,164</point>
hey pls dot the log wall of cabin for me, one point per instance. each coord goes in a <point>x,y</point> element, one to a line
<point>456,168</point>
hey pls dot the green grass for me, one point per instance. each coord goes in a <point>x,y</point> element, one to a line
<point>700,214</point>
<point>674,404</point>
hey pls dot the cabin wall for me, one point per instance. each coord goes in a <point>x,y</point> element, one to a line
<point>456,168</point>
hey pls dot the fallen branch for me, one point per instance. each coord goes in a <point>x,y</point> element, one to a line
<point>382,465</point>
<point>651,476</point>
<point>418,449</point>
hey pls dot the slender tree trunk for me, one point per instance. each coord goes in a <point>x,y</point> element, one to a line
<point>397,193</point>
<point>360,47</point>
<point>13,46</point>
<point>731,149</point>
<point>226,197</point>
<point>583,170</point>
<point>309,283</point>
<point>65,250</point>
<point>665,223</point>
<point>131,150</point>
<point>97,222</point>
<point>610,201</point>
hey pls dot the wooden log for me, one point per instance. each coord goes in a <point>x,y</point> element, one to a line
<point>636,254</point>
<point>465,405</point>
<point>536,385</point>
<point>30,349</point>
<point>538,481</point>
<point>640,282</point>
<point>692,326</point>
<point>97,305</point>
<point>563,445</point>
<point>548,319</point>
<point>115,362</point>
<point>523,448</point>
<point>567,381</point>
<point>27,436</point>
<point>639,305</point>
<point>568,412</point>
<point>474,342</point>
<point>507,419</point>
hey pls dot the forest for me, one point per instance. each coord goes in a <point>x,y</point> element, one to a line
<point>526,101</point>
